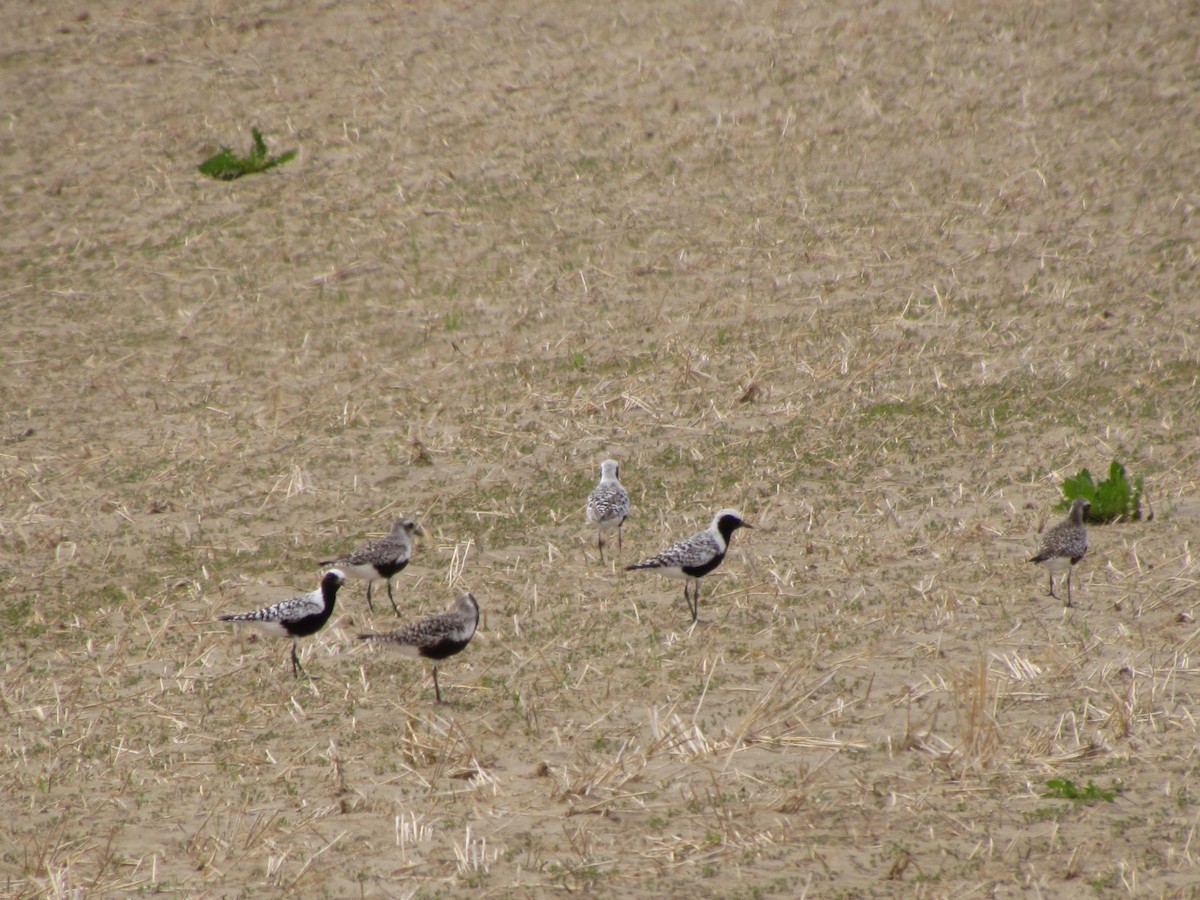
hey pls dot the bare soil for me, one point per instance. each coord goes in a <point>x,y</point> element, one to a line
<point>878,275</point>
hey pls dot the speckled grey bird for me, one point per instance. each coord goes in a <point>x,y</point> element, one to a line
<point>1064,545</point>
<point>380,559</point>
<point>608,504</point>
<point>435,637</point>
<point>696,556</point>
<point>297,617</point>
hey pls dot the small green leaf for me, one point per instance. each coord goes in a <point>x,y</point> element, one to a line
<point>226,165</point>
<point>1066,789</point>
<point>1111,499</point>
<point>1079,486</point>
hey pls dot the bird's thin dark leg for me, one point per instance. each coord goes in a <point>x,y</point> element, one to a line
<point>1052,594</point>
<point>437,691</point>
<point>296,668</point>
<point>600,544</point>
<point>619,548</point>
<point>1068,587</point>
<point>370,605</point>
<point>693,601</point>
<point>393,599</point>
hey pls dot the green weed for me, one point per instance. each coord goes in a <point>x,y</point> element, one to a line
<point>1112,499</point>
<point>1066,789</point>
<point>225,165</point>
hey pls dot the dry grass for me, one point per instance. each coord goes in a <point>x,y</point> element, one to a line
<point>877,277</point>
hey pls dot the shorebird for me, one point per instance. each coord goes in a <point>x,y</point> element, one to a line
<point>1064,545</point>
<point>696,556</point>
<point>435,637</point>
<point>608,504</point>
<point>297,617</point>
<point>380,559</point>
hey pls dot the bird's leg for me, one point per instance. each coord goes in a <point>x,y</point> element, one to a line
<point>1068,588</point>
<point>370,605</point>
<point>600,543</point>
<point>296,668</point>
<point>1052,594</point>
<point>393,599</point>
<point>619,548</point>
<point>692,601</point>
<point>437,691</point>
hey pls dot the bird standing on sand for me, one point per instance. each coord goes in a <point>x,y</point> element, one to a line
<point>696,556</point>
<point>435,637</point>
<point>380,559</point>
<point>608,504</point>
<point>1065,544</point>
<point>297,617</point>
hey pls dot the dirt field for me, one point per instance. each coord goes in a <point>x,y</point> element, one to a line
<point>878,275</point>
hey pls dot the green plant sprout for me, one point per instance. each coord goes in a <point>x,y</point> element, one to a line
<point>1111,499</point>
<point>227,165</point>
<point>1066,789</point>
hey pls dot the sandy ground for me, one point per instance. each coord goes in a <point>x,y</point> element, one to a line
<point>878,276</point>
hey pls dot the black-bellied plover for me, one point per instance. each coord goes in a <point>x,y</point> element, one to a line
<point>297,617</point>
<point>1065,544</point>
<point>380,559</point>
<point>694,557</point>
<point>435,637</point>
<point>608,504</point>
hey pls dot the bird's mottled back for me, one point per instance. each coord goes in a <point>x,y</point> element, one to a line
<point>436,637</point>
<point>380,559</point>
<point>696,556</point>
<point>1068,539</point>
<point>394,547</point>
<point>608,503</point>
<point>296,617</point>
<point>701,548</point>
<point>424,637</point>
<point>1064,545</point>
<point>293,610</point>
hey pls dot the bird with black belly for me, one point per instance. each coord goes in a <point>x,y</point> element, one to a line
<point>435,637</point>
<point>297,617</point>
<point>694,557</point>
